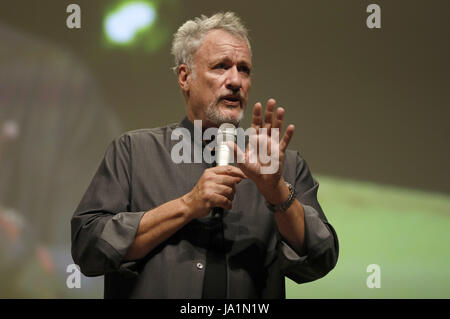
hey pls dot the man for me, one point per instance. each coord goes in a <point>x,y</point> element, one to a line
<point>147,222</point>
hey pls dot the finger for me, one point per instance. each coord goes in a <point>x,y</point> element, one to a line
<point>278,121</point>
<point>221,201</point>
<point>225,190</point>
<point>257,116</point>
<point>263,144</point>
<point>269,148</point>
<point>239,156</point>
<point>268,117</point>
<point>286,138</point>
<point>252,150</point>
<point>229,171</point>
<point>227,180</point>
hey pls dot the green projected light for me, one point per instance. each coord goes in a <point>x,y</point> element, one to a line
<point>405,232</point>
<point>139,24</point>
<point>122,25</point>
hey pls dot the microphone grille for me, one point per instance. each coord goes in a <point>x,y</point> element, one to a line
<point>226,132</point>
<point>227,128</point>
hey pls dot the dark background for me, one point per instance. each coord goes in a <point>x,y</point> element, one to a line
<point>368,104</point>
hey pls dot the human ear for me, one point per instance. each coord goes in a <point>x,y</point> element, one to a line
<point>184,77</point>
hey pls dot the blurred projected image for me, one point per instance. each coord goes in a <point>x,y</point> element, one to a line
<point>138,24</point>
<point>53,129</point>
<point>394,243</point>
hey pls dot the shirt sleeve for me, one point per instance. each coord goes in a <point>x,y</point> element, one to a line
<point>322,246</point>
<point>102,226</point>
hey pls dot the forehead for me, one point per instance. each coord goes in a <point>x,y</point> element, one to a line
<point>219,44</point>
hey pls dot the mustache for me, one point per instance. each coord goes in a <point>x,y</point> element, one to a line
<point>231,96</point>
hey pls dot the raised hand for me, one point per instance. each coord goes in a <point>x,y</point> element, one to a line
<point>263,158</point>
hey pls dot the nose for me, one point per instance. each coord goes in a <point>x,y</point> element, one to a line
<point>233,81</point>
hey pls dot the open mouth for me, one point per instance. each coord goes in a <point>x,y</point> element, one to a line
<point>231,100</point>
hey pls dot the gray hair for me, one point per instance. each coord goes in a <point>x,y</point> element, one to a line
<point>189,36</point>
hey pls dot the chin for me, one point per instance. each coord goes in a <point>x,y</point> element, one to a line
<point>217,117</point>
<point>233,114</point>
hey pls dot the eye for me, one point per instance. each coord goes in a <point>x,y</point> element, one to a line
<point>244,69</point>
<point>219,66</point>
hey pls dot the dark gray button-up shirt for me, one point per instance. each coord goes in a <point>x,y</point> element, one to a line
<point>137,174</point>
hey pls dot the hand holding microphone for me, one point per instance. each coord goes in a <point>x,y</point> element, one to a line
<point>217,185</point>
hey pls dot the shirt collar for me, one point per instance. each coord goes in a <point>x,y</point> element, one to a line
<point>186,123</point>
<point>193,130</point>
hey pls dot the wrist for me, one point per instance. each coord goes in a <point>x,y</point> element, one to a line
<point>186,204</point>
<point>284,206</point>
<point>191,207</point>
<point>278,194</point>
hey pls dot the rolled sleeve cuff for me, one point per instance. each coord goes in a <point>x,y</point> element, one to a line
<point>317,237</point>
<point>319,242</point>
<point>290,253</point>
<point>119,233</point>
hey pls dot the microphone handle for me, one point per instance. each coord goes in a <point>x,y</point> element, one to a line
<point>226,132</point>
<point>217,212</point>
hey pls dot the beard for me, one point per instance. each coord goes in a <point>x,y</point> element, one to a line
<point>215,116</point>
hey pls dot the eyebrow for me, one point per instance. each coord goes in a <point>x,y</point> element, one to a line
<point>227,59</point>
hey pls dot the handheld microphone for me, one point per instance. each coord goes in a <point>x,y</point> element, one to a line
<point>226,133</point>
<point>224,155</point>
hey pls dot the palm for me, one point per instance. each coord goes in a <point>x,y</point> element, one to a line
<point>263,157</point>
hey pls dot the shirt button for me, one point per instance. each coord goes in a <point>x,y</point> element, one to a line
<point>200,266</point>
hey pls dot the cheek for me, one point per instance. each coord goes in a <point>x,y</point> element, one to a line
<point>208,84</point>
<point>247,88</point>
